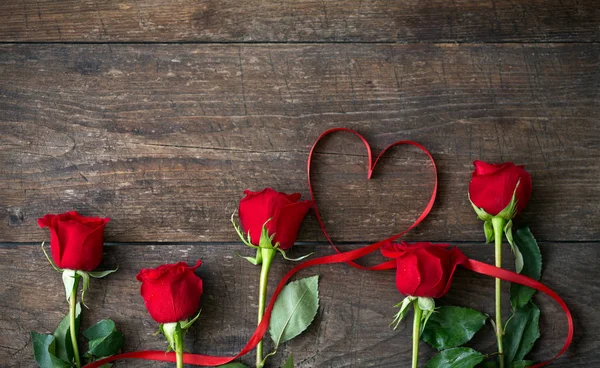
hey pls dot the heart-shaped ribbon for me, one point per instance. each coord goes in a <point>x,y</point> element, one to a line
<point>370,168</point>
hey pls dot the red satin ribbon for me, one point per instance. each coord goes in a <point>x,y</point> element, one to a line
<point>348,257</point>
<point>370,167</point>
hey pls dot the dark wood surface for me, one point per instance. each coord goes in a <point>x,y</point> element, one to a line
<point>299,21</point>
<point>165,138</point>
<point>159,114</point>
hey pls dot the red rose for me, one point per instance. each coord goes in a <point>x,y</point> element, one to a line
<point>171,292</point>
<point>76,241</point>
<point>284,210</point>
<point>424,269</point>
<point>492,186</point>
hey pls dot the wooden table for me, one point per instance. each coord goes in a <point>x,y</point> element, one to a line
<point>160,113</point>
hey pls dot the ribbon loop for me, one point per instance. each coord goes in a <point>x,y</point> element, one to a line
<point>370,168</point>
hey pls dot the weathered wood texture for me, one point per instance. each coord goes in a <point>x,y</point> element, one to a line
<point>351,329</point>
<point>164,138</point>
<point>300,20</point>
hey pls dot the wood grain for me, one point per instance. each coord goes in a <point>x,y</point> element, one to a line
<point>164,138</point>
<point>351,329</point>
<point>299,21</point>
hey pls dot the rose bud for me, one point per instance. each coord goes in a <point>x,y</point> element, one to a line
<point>423,269</point>
<point>494,187</point>
<point>76,244</point>
<point>498,193</point>
<point>280,213</point>
<point>76,241</point>
<point>171,292</point>
<point>270,222</point>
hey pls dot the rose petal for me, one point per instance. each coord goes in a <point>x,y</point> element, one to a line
<point>287,222</point>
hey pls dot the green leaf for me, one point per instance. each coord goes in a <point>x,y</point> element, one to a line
<point>62,336</point>
<point>104,338</point>
<point>290,362</point>
<point>233,365</point>
<point>101,274</point>
<point>101,329</point>
<point>403,305</point>
<point>450,326</point>
<point>532,267</point>
<point>489,364</point>
<point>294,309</point>
<point>106,346</point>
<point>522,364</point>
<point>456,358</point>
<point>44,349</point>
<point>69,278</point>
<point>522,330</point>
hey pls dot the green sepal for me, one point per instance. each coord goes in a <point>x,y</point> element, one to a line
<point>169,330</point>
<point>266,240</point>
<point>293,259</point>
<point>246,240</point>
<point>254,260</point>
<point>481,214</point>
<point>50,260</point>
<point>69,278</point>
<point>233,365</point>
<point>488,229</point>
<point>403,305</point>
<point>44,348</point>
<point>427,305</point>
<point>101,274</point>
<point>510,211</point>
<point>186,325</point>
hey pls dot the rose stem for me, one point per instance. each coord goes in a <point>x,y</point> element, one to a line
<point>267,257</point>
<point>416,333</point>
<point>498,224</point>
<point>72,327</point>
<point>179,347</point>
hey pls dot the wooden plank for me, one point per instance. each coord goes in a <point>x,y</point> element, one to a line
<point>351,329</point>
<point>299,21</point>
<point>164,138</point>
